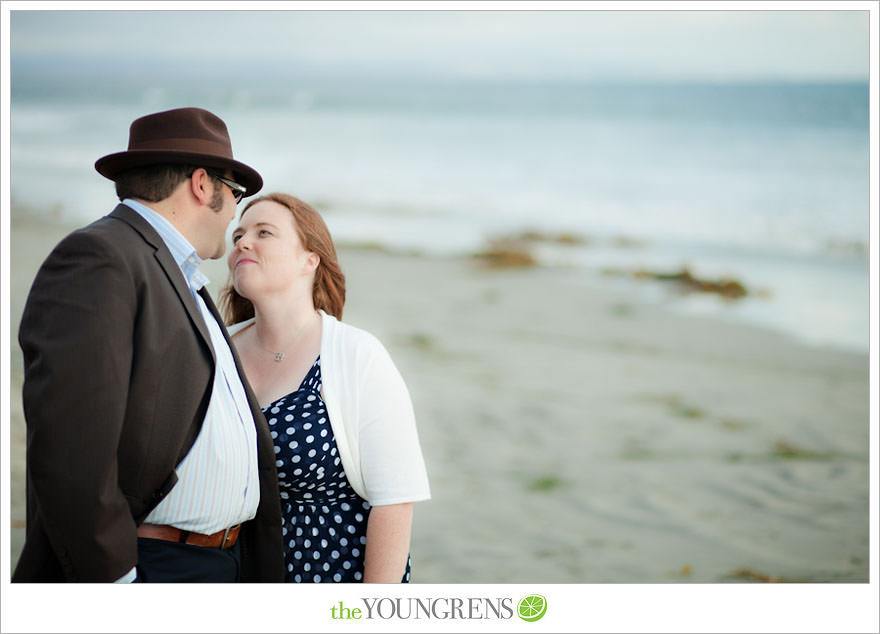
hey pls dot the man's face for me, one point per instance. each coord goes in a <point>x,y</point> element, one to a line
<point>222,207</point>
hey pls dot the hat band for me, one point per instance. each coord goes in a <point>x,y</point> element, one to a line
<point>197,146</point>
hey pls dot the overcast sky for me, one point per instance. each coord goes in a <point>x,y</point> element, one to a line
<point>703,45</point>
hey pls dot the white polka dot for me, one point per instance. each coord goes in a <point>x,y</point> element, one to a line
<point>346,564</point>
<point>307,542</point>
<point>317,578</point>
<point>279,463</point>
<point>306,414</point>
<point>299,531</point>
<point>296,459</point>
<point>343,541</point>
<point>298,579</point>
<point>337,518</point>
<point>311,397</point>
<point>359,517</point>
<point>337,577</point>
<point>277,449</point>
<point>323,543</point>
<point>289,567</point>
<point>310,439</point>
<point>363,540</point>
<point>312,452</point>
<point>289,418</point>
<point>355,552</point>
<point>297,471</point>
<point>358,576</point>
<point>326,567</point>
<point>325,446</point>
<point>332,531</point>
<point>307,567</point>
<point>293,444</point>
<point>323,433</point>
<point>307,426</point>
<point>274,434</point>
<point>335,554</point>
<point>350,529</point>
<point>297,555</point>
<point>315,532</point>
<point>316,555</point>
<point>345,506</point>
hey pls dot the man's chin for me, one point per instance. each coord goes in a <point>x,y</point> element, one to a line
<point>217,254</point>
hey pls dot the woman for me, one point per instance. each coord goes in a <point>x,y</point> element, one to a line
<point>348,456</point>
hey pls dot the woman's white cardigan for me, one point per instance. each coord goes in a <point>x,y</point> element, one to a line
<point>371,415</point>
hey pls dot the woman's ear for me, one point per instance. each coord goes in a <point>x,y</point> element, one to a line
<point>312,262</point>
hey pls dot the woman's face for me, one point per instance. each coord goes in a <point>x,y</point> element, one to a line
<point>267,254</point>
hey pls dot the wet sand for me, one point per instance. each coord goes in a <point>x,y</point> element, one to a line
<point>574,435</point>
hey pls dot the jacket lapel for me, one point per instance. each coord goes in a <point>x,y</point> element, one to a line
<point>252,399</point>
<point>169,266</point>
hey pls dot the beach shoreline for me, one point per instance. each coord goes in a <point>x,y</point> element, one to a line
<point>577,435</point>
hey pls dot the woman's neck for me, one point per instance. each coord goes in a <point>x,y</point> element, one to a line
<point>282,321</point>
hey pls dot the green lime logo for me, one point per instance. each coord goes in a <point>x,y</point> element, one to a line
<point>532,608</point>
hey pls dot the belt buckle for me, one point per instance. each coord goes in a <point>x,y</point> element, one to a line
<point>223,545</point>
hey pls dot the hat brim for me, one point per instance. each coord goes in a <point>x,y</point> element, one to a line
<point>113,165</point>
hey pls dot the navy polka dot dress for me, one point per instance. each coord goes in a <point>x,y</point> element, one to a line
<point>325,521</point>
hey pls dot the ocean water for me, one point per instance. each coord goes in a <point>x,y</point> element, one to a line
<point>766,183</point>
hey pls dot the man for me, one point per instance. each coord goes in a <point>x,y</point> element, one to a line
<point>148,457</point>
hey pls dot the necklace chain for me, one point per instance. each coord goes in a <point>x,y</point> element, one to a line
<point>279,355</point>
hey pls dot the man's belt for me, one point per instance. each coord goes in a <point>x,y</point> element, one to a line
<point>220,539</point>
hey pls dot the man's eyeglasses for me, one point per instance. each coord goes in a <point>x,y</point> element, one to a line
<point>238,191</point>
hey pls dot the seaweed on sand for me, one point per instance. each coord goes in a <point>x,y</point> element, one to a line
<point>505,254</point>
<point>725,287</point>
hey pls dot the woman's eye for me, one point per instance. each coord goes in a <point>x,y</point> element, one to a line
<point>265,232</point>
<point>235,239</point>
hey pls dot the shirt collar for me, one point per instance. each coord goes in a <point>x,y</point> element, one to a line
<point>181,250</point>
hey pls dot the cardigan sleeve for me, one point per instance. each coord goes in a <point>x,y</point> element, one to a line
<point>392,464</point>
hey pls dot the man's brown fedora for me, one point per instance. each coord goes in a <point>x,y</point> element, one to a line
<point>184,135</point>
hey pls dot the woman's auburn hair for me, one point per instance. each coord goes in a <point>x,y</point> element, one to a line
<point>328,292</point>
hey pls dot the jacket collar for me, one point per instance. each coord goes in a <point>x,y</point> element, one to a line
<point>169,266</point>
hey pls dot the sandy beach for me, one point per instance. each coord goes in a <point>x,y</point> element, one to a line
<point>574,435</point>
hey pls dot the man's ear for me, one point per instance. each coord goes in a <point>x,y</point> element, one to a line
<point>201,186</point>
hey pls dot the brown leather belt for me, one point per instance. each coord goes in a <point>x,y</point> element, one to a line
<point>220,539</point>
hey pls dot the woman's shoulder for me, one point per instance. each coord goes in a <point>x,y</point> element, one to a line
<point>352,337</point>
